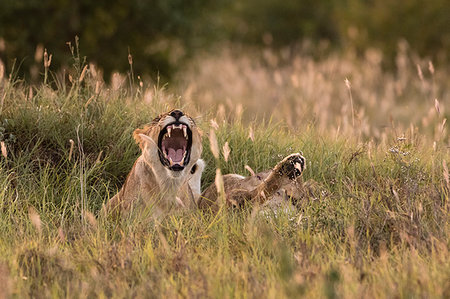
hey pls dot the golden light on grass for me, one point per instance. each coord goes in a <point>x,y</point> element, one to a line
<point>378,196</point>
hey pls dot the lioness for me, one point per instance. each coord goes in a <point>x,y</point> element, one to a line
<point>169,170</point>
<point>271,186</point>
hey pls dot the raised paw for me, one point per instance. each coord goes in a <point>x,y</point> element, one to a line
<point>292,166</point>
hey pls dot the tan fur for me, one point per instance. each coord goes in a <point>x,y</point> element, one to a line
<point>278,184</point>
<point>149,181</point>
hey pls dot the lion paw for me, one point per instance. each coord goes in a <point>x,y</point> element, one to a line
<point>292,166</point>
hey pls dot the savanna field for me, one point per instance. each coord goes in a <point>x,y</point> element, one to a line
<point>373,221</point>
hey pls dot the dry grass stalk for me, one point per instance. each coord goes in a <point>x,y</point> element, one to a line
<point>89,101</point>
<point>431,67</point>
<point>249,169</point>
<point>213,144</point>
<point>419,72</point>
<point>39,53</point>
<point>349,88</point>
<point>4,151</point>
<point>218,181</point>
<point>226,151</point>
<point>90,218</point>
<point>83,74</point>
<point>35,219</point>
<point>2,70</point>
<point>47,59</point>
<point>436,106</point>
<point>72,144</point>
<point>30,93</point>
<point>446,175</point>
<point>251,134</point>
<point>99,158</point>
<point>97,87</point>
<point>61,235</point>
<point>214,124</point>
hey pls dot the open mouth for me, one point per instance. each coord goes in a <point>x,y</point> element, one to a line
<point>174,143</point>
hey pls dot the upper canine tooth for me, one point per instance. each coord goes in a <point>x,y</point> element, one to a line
<point>169,130</point>
<point>184,131</point>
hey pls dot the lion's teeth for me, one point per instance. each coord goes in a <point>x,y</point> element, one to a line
<point>185,131</point>
<point>169,131</point>
<point>170,160</point>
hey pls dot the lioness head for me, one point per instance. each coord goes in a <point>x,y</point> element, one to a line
<point>171,139</point>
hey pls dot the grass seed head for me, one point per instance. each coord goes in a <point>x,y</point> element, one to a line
<point>2,70</point>
<point>47,59</point>
<point>226,151</point>
<point>4,150</point>
<point>35,219</point>
<point>213,143</point>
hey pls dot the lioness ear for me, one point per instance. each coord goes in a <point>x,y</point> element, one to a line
<point>136,135</point>
<point>145,138</point>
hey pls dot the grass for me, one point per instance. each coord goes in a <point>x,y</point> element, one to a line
<point>375,224</point>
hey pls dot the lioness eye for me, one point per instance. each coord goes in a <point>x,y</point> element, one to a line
<point>194,168</point>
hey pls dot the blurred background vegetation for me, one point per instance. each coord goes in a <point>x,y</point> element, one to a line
<point>162,34</point>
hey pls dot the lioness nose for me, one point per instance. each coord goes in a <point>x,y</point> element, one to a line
<point>177,114</point>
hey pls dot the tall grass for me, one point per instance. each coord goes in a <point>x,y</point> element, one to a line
<point>298,90</point>
<point>373,222</point>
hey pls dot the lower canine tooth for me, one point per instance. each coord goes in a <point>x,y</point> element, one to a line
<point>171,162</point>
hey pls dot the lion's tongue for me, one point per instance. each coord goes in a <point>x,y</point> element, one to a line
<point>175,155</point>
